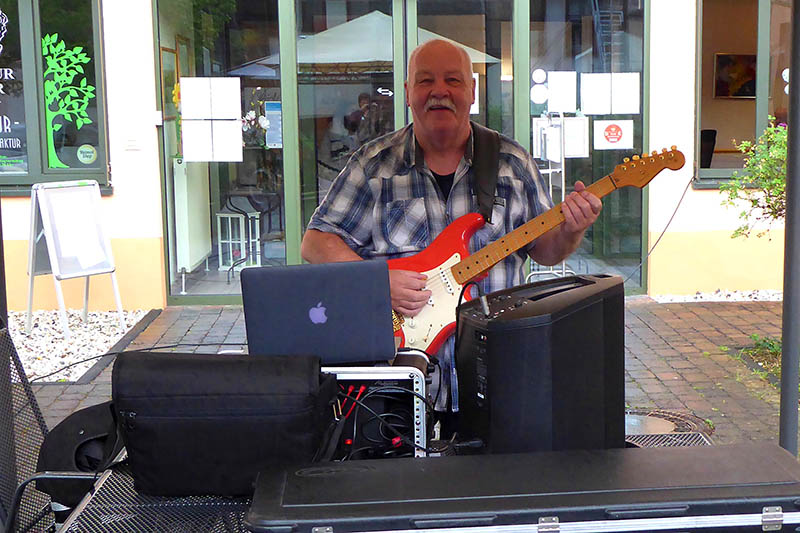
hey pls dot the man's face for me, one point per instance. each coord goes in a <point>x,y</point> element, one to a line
<point>440,90</point>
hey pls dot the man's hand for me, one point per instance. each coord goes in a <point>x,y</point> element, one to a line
<point>408,291</point>
<point>581,208</point>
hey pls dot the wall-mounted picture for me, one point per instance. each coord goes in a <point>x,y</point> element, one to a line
<point>734,76</point>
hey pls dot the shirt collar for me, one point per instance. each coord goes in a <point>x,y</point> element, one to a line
<point>414,156</point>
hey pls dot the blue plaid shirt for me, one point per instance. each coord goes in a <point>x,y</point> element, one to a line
<point>386,204</point>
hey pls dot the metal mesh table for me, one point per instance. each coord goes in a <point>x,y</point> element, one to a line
<point>115,506</point>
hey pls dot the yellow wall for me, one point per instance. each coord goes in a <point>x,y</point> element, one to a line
<point>140,274</point>
<point>685,263</point>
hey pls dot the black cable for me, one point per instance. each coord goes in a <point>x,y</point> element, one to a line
<point>455,342</point>
<point>152,348</point>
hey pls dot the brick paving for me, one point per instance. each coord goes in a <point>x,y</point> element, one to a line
<point>677,357</point>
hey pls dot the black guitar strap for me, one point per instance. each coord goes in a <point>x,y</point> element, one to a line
<point>486,163</point>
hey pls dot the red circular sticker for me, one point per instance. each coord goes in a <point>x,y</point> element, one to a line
<point>613,133</point>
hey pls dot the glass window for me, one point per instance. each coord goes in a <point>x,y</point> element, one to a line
<point>345,86</point>
<point>484,30</point>
<point>69,86</point>
<point>13,142</point>
<point>586,113</point>
<point>223,160</point>
<point>52,123</point>
<point>728,82</point>
<point>780,53</point>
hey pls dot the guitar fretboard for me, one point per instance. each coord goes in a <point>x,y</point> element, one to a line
<point>490,255</point>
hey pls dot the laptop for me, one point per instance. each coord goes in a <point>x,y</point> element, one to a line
<point>340,312</point>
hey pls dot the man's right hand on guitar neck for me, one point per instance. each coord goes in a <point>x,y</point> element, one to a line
<point>408,291</point>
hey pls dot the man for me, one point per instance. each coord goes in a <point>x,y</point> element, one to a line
<point>397,193</point>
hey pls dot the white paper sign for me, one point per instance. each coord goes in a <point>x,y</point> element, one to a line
<point>596,94</point>
<point>226,139</point>
<point>196,140</point>
<point>576,137</point>
<point>613,134</point>
<point>195,98</point>
<point>606,94</point>
<point>226,97</point>
<point>562,90</point>
<point>625,93</point>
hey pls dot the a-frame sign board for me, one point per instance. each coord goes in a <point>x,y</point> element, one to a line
<point>67,240</point>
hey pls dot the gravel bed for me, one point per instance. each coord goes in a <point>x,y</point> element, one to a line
<point>722,296</point>
<point>46,350</point>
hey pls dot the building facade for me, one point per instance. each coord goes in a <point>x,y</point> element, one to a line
<point>215,127</point>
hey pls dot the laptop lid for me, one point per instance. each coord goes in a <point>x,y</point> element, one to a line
<point>340,312</point>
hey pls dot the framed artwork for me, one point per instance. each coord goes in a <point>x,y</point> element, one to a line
<point>185,63</point>
<point>169,72</point>
<point>734,76</point>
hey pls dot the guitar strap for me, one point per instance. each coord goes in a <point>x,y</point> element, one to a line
<point>486,163</point>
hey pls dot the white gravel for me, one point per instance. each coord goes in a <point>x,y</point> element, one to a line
<point>722,296</point>
<point>46,350</point>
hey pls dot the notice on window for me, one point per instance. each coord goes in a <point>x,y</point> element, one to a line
<point>607,94</point>
<point>13,145</point>
<point>613,134</point>
<point>273,125</point>
<point>562,90</point>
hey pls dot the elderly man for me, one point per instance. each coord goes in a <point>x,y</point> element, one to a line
<point>398,192</point>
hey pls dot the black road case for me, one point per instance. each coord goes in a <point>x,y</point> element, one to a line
<point>753,487</point>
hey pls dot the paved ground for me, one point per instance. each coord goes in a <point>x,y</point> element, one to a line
<point>677,357</point>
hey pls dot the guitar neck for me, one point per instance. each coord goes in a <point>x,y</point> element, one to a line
<point>490,255</point>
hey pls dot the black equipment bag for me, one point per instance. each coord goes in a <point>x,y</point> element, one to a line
<point>85,441</point>
<point>206,424</point>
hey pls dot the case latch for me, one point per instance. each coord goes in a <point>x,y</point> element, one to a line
<point>771,519</point>
<point>548,524</point>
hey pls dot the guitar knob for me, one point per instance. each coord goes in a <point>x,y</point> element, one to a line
<point>636,158</point>
<point>411,340</point>
<point>626,160</point>
<point>411,323</point>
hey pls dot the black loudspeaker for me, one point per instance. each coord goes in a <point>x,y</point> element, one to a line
<point>545,369</point>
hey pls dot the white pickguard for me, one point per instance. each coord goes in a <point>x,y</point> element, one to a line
<point>440,310</point>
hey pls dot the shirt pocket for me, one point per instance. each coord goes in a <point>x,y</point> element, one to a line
<point>494,231</point>
<point>405,225</point>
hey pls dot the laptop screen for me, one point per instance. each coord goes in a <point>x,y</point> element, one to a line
<point>340,312</point>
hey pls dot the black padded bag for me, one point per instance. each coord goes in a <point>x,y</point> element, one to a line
<point>206,424</point>
<point>85,441</point>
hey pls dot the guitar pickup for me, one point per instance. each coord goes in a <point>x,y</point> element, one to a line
<point>448,285</point>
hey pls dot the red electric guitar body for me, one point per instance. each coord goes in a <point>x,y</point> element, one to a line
<point>449,266</point>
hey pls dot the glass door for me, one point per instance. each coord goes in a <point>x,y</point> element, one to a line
<point>222,141</point>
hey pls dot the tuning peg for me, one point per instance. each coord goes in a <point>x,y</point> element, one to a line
<point>626,160</point>
<point>663,150</point>
<point>655,153</point>
<point>673,148</point>
<point>636,158</point>
<point>644,155</point>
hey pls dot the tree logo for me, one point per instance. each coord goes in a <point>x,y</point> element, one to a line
<point>65,98</point>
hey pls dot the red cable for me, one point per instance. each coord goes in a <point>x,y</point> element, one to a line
<point>361,390</point>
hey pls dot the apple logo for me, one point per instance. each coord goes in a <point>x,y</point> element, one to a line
<point>317,314</point>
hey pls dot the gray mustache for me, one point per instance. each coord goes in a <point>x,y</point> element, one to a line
<point>441,102</point>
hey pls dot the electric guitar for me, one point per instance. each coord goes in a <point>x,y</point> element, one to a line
<point>448,264</point>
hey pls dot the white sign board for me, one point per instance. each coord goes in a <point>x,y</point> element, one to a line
<point>613,134</point>
<point>68,239</point>
<point>607,94</point>
<point>562,88</point>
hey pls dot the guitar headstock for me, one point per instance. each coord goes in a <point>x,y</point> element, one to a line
<point>639,170</point>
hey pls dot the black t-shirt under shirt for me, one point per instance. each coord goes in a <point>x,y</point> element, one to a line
<point>445,182</point>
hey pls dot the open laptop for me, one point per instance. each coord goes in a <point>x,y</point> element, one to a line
<point>340,312</point>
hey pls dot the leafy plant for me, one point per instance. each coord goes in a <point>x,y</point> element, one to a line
<point>762,185</point>
<point>64,97</point>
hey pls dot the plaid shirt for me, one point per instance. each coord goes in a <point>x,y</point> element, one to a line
<point>386,204</point>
